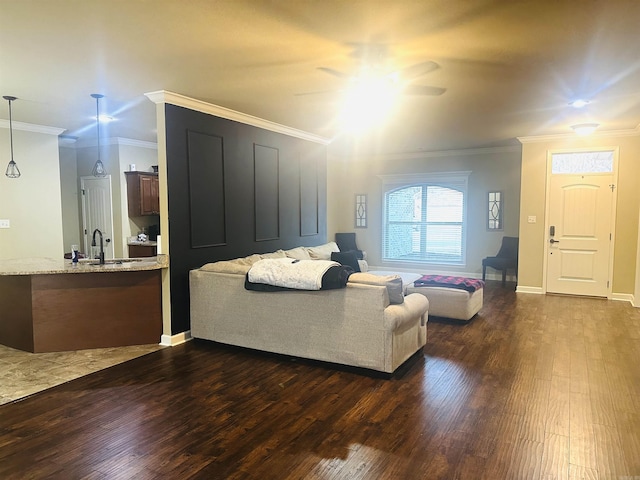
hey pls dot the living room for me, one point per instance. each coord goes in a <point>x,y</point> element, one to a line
<point>502,151</point>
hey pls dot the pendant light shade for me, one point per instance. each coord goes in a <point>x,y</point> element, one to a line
<point>12,168</point>
<point>98,168</point>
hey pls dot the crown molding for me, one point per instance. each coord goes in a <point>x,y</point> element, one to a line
<point>630,132</point>
<point>443,153</point>
<point>93,142</point>
<point>164,96</point>
<point>136,143</point>
<point>31,127</point>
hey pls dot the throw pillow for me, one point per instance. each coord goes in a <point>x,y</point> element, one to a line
<point>323,252</point>
<point>346,258</point>
<point>392,282</point>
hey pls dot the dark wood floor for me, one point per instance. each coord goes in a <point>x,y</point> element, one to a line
<point>535,387</point>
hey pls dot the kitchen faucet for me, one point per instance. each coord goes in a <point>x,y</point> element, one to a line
<point>93,244</point>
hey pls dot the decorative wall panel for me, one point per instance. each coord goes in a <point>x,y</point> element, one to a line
<point>205,160</point>
<point>309,214</point>
<point>266,193</point>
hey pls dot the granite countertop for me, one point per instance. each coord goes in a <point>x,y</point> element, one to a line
<point>148,243</point>
<point>44,266</point>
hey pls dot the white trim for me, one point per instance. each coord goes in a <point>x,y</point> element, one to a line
<point>534,290</point>
<point>460,178</point>
<point>177,339</point>
<point>442,153</point>
<point>93,142</point>
<point>563,136</point>
<point>32,127</point>
<point>136,143</point>
<point>164,96</point>
<point>623,297</point>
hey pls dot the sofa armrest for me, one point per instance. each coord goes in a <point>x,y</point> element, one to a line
<point>404,314</point>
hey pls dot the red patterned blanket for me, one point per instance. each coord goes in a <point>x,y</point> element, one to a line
<point>463,283</point>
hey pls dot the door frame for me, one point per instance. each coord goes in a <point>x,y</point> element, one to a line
<point>614,201</point>
<point>86,234</point>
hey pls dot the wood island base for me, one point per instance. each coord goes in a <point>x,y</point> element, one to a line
<point>61,312</point>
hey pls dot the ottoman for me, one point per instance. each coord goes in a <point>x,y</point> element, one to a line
<point>444,301</point>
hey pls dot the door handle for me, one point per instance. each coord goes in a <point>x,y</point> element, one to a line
<point>552,241</point>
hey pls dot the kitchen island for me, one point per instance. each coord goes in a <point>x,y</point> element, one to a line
<point>49,305</point>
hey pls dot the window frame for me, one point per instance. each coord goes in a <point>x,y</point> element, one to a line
<point>452,180</point>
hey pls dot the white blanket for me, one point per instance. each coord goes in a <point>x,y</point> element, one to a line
<point>290,273</point>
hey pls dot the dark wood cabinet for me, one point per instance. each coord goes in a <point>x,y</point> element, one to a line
<point>136,251</point>
<point>142,193</point>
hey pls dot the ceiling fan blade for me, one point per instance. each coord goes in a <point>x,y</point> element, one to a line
<point>417,70</point>
<point>333,72</point>
<point>423,90</point>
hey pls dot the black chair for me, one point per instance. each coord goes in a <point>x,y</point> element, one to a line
<point>506,258</point>
<point>347,243</point>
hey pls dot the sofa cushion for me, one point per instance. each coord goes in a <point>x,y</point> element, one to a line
<point>299,253</point>
<point>323,252</point>
<point>392,282</point>
<point>276,254</point>
<point>348,259</point>
<point>227,266</point>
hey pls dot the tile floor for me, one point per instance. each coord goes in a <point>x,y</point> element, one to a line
<point>24,373</point>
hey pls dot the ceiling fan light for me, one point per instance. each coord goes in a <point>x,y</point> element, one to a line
<point>584,129</point>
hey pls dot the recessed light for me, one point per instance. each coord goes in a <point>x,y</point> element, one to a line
<point>105,118</point>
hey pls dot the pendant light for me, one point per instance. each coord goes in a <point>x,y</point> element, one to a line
<point>98,168</point>
<point>12,168</point>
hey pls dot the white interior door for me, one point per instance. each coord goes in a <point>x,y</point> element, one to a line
<point>579,234</point>
<point>96,213</point>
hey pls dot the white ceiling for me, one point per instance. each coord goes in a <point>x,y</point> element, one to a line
<point>510,67</point>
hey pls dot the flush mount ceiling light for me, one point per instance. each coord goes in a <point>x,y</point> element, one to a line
<point>12,168</point>
<point>583,129</point>
<point>579,103</point>
<point>98,168</point>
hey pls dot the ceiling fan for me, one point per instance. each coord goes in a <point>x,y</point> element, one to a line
<point>403,77</point>
<point>372,60</point>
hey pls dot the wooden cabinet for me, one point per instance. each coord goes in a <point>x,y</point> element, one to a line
<point>136,251</point>
<point>142,193</point>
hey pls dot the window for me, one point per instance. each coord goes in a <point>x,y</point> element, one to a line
<point>582,162</point>
<point>425,222</point>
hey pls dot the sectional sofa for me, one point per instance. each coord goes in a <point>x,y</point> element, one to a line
<point>369,323</point>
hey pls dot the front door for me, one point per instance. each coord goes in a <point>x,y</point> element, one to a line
<point>96,213</point>
<point>579,233</point>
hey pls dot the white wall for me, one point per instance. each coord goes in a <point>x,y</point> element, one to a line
<point>491,170</point>
<point>143,155</point>
<point>69,198</point>
<point>32,203</point>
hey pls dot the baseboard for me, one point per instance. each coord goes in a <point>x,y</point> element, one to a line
<point>624,297</point>
<point>524,289</point>
<point>177,339</point>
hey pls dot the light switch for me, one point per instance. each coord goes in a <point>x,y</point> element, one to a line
<point>5,223</point>
<point>531,219</point>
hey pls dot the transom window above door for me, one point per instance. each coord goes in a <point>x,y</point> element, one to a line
<point>582,162</point>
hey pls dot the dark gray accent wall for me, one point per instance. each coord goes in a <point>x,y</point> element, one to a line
<point>234,190</point>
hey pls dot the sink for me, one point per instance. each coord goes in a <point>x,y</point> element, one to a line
<point>116,261</point>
